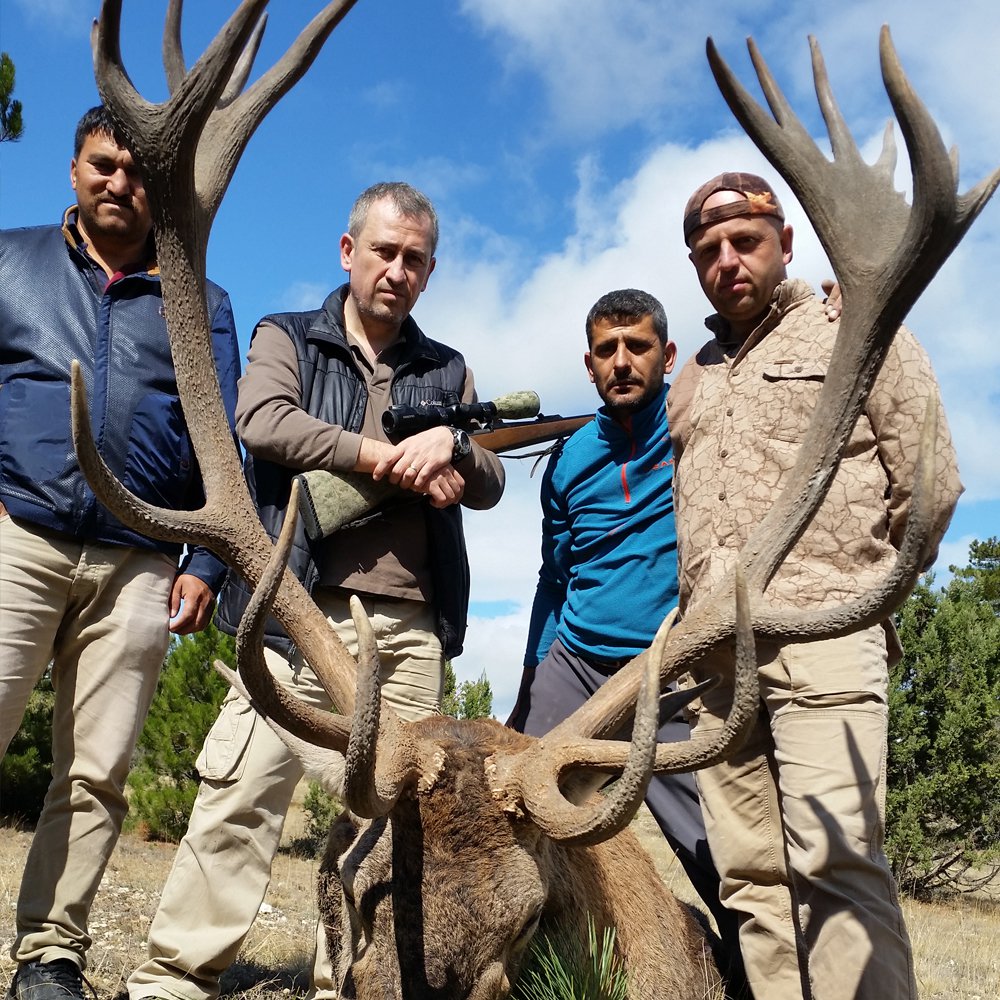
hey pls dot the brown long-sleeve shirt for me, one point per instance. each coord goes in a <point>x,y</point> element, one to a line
<point>387,555</point>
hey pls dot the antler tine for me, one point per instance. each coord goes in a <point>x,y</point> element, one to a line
<point>237,117</point>
<point>537,789</point>
<point>841,141</point>
<point>886,162</point>
<point>244,64</point>
<point>105,34</point>
<point>535,779</point>
<point>173,51</point>
<point>940,215</point>
<point>155,131</point>
<point>272,701</point>
<point>382,754</point>
<point>171,525</point>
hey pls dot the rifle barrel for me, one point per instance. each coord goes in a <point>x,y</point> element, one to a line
<point>509,437</point>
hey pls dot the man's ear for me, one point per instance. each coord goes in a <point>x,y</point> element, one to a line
<point>72,173</point>
<point>786,244</point>
<point>430,271</point>
<point>669,357</point>
<point>346,251</point>
<point>590,365</point>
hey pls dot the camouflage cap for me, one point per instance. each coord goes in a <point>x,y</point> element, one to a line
<point>759,200</point>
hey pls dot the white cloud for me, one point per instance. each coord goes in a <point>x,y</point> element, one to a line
<point>63,16</point>
<point>607,64</point>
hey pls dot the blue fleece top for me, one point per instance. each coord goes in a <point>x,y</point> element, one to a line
<point>609,546</point>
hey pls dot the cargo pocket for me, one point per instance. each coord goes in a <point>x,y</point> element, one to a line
<point>788,398</point>
<point>223,757</point>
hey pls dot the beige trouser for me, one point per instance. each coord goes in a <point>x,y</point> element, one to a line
<point>796,823</point>
<point>223,864</point>
<point>99,613</point>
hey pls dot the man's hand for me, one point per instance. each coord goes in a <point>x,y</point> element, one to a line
<point>191,603</point>
<point>833,300</point>
<point>422,463</point>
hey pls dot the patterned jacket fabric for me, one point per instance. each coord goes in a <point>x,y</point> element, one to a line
<point>738,414</point>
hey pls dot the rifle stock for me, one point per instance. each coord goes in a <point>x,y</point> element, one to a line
<point>330,500</point>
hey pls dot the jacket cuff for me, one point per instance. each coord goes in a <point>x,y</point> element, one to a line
<point>205,565</point>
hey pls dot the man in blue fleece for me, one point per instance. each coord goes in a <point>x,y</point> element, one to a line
<point>609,564</point>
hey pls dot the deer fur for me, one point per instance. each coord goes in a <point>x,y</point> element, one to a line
<point>449,866</point>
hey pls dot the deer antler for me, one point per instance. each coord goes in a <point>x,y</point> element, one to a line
<point>188,148</point>
<point>884,253</point>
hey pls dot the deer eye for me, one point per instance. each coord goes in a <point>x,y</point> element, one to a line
<point>528,928</point>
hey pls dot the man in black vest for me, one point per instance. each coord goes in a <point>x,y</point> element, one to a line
<point>312,397</point>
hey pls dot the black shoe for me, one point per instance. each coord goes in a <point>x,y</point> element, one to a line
<point>57,980</point>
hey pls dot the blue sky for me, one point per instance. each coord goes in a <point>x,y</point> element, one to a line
<point>559,140</point>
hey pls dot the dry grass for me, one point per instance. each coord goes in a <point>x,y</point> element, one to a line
<point>957,946</point>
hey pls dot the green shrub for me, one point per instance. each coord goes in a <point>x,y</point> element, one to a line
<point>26,769</point>
<point>943,793</point>
<point>468,700</point>
<point>163,783</point>
<point>561,967</point>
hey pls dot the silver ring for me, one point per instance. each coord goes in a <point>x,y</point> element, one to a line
<point>413,468</point>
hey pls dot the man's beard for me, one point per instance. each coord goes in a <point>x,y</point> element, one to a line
<point>626,407</point>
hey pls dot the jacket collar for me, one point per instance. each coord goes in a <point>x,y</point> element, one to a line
<point>640,425</point>
<point>75,241</point>
<point>788,295</point>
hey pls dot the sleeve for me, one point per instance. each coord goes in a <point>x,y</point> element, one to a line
<point>482,471</point>
<point>270,418</point>
<point>553,577</point>
<point>198,561</point>
<point>897,408</point>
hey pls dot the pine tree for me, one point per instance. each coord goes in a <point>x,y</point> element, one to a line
<point>26,768</point>
<point>468,700</point>
<point>984,567</point>
<point>943,802</point>
<point>164,781</point>
<point>11,123</point>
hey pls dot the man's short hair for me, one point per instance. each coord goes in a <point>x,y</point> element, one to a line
<point>96,121</point>
<point>408,201</point>
<point>759,199</point>
<point>627,306</point>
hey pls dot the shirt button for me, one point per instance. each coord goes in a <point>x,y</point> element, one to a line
<point>722,496</point>
<point>798,368</point>
<point>729,412</point>
<point>723,453</point>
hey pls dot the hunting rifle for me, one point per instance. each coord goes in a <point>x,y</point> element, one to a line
<point>330,500</point>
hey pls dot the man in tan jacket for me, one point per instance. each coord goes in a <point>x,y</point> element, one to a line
<point>796,820</point>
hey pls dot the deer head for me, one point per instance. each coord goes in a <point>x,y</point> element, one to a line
<point>520,810</point>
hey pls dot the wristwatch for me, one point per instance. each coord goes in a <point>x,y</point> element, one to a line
<point>462,445</point>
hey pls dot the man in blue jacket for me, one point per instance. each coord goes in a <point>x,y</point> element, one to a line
<point>78,589</point>
<point>609,564</point>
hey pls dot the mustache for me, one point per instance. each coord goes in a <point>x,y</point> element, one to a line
<point>110,199</point>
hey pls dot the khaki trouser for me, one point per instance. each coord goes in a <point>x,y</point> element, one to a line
<point>796,823</point>
<point>99,613</point>
<point>223,864</point>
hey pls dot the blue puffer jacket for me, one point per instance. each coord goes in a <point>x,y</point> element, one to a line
<point>609,545</point>
<point>54,307</point>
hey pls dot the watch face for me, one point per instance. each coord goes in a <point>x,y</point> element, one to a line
<point>462,445</point>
